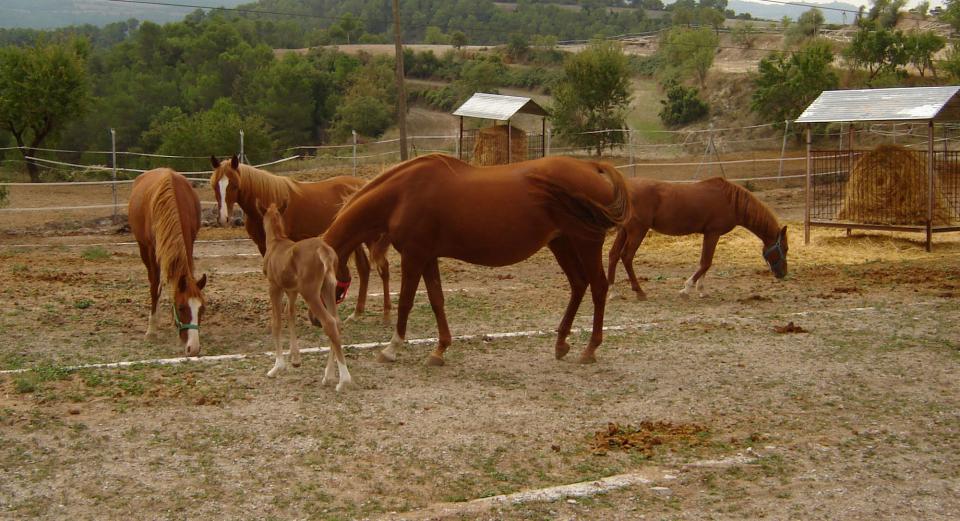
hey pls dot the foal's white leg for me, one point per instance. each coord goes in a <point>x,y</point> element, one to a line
<point>700,286</point>
<point>329,323</point>
<point>330,372</point>
<point>276,307</point>
<point>389,353</point>
<point>688,286</point>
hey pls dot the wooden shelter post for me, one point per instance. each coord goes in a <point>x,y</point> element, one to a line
<point>808,196</point>
<point>543,137</point>
<point>509,142</point>
<point>460,141</point>
<point>930,198</point>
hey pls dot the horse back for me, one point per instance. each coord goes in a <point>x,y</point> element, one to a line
<point>683,208</point>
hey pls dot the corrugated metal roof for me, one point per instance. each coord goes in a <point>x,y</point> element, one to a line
<point>901,104</point>
<point>500,108</point>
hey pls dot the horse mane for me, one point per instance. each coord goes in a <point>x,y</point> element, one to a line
<point>394,170</point>
<point>267,187</point>
<point>171,249</point>
<point>753,213</point>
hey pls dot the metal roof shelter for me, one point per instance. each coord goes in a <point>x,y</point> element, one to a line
<point>912,104</point>
<point>499,108</point>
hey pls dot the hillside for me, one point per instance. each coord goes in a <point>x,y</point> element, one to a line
<point>48,14</point>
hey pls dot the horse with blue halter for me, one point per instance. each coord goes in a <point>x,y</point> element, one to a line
<point>164,216</point>
<point>438,206</point>
<point>712,207</point>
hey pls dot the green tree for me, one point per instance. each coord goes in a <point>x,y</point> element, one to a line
<point>593,94</point>
<point>688,52</point>
<point>921,47</point>
<point>683,105</point>
<point>42,88</point>
<point>215,131</point>
<point>458,39</point>
<point>880,51</point>
<point>435,36</point>
<point>807,26</point>
<point>518,47</point>
<point>788,83</point>
<point>366,115</point>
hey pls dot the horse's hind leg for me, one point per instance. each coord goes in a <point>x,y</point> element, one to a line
<point>570,263</point>
<point>706,259</point>
<point>590,255</point>
<point>431,278</point>
<point>616,250</point>
<point>292,324</point>
<point>378,253</point>
<point>329,323</point>
<point>363,272</point>
<point>410,272</point>
<point>629,251</point>
<point>276,311</point>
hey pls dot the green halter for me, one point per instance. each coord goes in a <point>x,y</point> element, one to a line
<point>180,325</point>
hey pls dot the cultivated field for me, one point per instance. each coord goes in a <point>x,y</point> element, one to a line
<point>723,417</point>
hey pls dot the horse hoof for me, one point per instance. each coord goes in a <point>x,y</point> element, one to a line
<point>385,359</point>
<point>435,361</point>
<point>295,364</point>
<point>562,350</point>
<point>274,372</point>
<point>345,384</point>
<point>587,359</point>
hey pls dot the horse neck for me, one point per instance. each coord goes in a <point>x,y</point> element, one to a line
<point>273,231</point>
<point>754,215</point>
<point>362,220</point>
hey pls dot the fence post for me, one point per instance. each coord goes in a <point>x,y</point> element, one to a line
<point>547,144</point>
<point>783,147</point>
<point>113,161</point>
<point>243,158</point>
<point>354,132</point>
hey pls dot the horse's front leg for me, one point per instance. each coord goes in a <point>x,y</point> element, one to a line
<point>276,313</point>
<point>292,324</point>
<point>410,272</point>
<point>363,273</point>
<point>570,264</point>
<point>378,254</point>
<point>431,278</point>
<point>706,259</point>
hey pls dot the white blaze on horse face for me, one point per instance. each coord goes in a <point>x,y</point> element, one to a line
<point>193,334</point>
<point>223,200</point>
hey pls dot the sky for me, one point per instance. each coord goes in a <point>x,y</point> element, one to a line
<point>867,3</point>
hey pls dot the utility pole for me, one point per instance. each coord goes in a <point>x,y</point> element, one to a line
<point>401,90</point>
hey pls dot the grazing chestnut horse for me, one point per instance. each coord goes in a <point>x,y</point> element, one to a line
<point>309,210</point>
<point>438,206</point>
<point>304,268</point>
<point>712,207</point>
<point>164,214</point>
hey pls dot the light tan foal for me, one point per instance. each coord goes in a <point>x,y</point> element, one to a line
<point>303,268</point>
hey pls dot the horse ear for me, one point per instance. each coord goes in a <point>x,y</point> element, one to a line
<point>235,162</point>
<point>202,282</point>
<point>214,161</point>
<point>182,283</point>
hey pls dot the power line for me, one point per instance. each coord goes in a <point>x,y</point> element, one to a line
<point>231,9</point>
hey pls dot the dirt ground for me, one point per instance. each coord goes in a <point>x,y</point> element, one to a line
<point>857,417</point>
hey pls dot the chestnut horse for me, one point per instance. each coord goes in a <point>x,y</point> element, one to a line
<point>309,210</point>
<point>438,206</point>
<point>164,215</point>
<point>304,268</point>
<point>712,207</point>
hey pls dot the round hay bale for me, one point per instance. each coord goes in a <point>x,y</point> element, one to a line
<point>888,185</point>
<point>491,147</point>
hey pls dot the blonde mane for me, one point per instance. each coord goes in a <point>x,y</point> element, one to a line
<point>262,185</point>
<point>168,231</point>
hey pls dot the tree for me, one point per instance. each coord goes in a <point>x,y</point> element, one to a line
<point>807,26</point>
<point>688,52</point>
<point>458,39</point>
<point>593,94</point>
<point>711,17</point>
<point>683,105</point>
<point>787,84</point>
<point>880,51</point>
<point>921,47</point>
<point>518,47</point>
<point>42,88</point>
<point>434,36</point>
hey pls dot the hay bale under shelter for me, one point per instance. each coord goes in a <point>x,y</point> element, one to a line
<point>888,185</point>
<point>492,147</point>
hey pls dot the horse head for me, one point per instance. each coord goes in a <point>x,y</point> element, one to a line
<point>226,185</point>
<point>272,219</point>
<point>775,253</point>
<point>188,306</point>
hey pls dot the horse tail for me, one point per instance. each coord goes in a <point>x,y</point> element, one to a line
<point>618,211</point>
<point>593,216</point>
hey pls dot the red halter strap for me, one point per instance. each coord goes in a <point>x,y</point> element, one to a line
<point>342,286</point>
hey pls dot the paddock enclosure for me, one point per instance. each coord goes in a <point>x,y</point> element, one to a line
<point>831,394</point>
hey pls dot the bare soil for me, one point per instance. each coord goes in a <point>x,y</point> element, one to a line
<point>858,417</point>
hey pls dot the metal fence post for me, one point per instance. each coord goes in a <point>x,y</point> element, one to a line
<point>783,147</point>
<point>242,156</point>
<point>354,132</point>
<point>547,145</point>
<point>113,155</point>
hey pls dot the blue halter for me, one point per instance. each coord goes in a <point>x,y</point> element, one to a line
<point>778,248</point>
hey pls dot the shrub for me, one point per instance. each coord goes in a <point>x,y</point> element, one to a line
<point>683,105</point>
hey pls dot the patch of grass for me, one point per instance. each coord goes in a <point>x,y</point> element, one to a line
<point>18,268</point>
<point>83,303</point>
<point>95,253</point>
<point>32,380</point>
